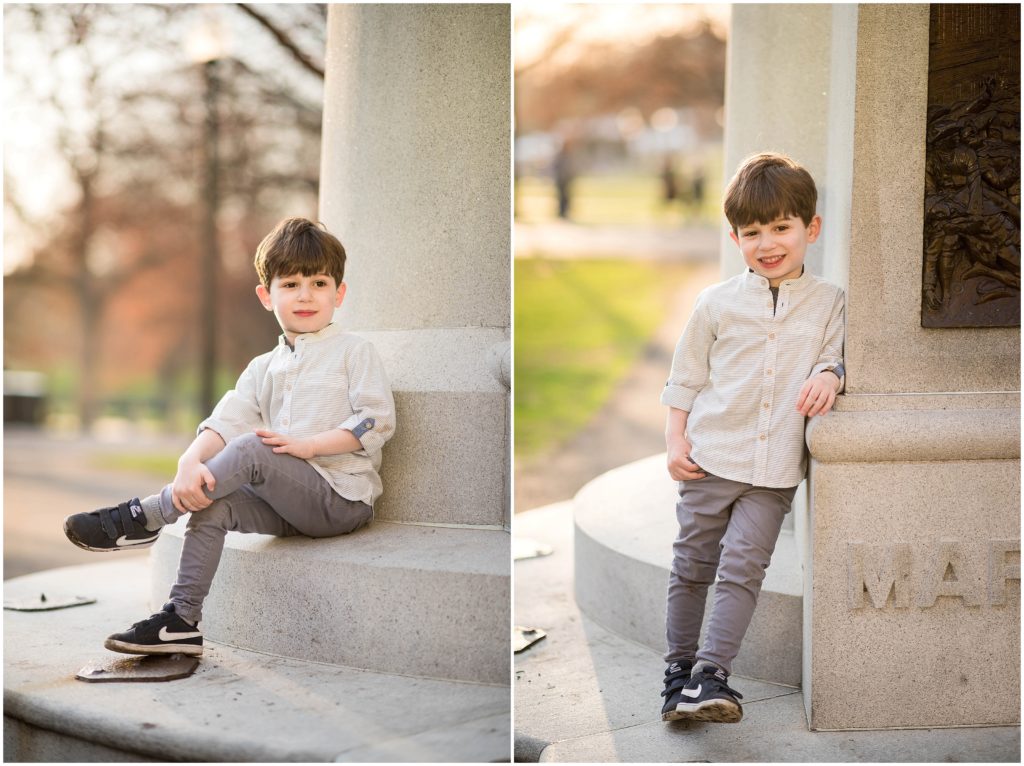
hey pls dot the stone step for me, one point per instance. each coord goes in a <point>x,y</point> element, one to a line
<point>584,694</point>
<point>239,705</point>
<point>424,600</point>
<point>625,524</point>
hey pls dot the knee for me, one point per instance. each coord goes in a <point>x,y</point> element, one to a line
<point>248,443</point>
<point>689,573</point>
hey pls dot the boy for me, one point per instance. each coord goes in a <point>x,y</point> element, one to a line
<point>293,449</point>
<point>761,352</point>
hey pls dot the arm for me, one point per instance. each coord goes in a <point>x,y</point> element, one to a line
<point>680,467</point>
<point>373,414</point>
<point>187,490</point>
<point>337,441</point>
<point>819,391</point>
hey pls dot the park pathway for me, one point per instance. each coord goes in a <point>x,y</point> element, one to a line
<point>631,424</point>
<point>49,476</point>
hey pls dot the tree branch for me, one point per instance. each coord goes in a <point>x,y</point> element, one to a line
<point>283,39</point>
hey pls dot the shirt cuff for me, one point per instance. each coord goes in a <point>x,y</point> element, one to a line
<point>364,429</point>
<point>226,430</point>
<point>829,367</point>
<point>678,397</point>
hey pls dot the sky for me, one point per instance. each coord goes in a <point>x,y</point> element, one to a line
<point>536,23</point>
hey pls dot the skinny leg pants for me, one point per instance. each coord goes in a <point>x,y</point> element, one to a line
<point>726,528</point>
<point>257,490</point>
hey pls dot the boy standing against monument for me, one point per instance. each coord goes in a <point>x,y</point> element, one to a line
<point>761,352</point>
<point>293,449</point>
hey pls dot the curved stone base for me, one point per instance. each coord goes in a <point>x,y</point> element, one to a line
<point>238,705</point>
<point>397,598</point>
<point>625,525</point>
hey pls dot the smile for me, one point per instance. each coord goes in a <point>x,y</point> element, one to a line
<point>773,260</point>
<point>304,313</point>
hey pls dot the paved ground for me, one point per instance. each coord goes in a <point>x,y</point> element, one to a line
<point>584,694</point>
<point>632,423</point>
<point>48,476</point>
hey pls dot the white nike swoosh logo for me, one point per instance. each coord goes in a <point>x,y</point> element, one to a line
<point>122,541</point>
<point>692,693</point>
<point>165,635</point>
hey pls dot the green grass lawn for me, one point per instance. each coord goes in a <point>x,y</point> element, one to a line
<point>579,325</point>
<point>623,200</point>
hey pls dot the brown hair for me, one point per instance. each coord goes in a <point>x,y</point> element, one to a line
<point>769,186</point>
<point>299,245</point>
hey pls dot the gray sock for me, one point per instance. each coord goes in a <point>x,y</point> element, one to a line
<point>154,516</point>
<point>701,664</point>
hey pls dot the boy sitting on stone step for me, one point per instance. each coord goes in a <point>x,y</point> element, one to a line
<point>294,449</point>
<point>761,352</point>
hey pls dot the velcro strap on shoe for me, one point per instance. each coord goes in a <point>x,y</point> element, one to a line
<point>128,522</point>
<point>107,523</point>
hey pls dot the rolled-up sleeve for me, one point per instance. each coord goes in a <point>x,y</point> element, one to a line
<point>691,360</point>
<point>373,405</point>
<point>831,354</point>
<point>238,411</point>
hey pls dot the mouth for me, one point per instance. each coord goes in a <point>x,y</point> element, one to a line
<point>304,313</point>
<point>771,261</point>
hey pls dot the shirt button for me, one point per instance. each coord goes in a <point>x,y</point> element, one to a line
<point>284,422</point>
<point>767,372</point>
<point>771,336</point>
<point>766,405</point>
<point>762,437</point>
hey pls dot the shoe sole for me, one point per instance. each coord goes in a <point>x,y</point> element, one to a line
<point>74,540</point>
<point>126,648</point>
<point>709,711</point>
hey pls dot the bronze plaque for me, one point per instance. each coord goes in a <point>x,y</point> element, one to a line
<point>972,168</point>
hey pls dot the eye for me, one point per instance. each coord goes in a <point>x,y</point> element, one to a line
<point>321,283</point>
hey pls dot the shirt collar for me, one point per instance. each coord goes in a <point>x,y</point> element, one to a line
<point>311,337</point>
<point>756,281</point>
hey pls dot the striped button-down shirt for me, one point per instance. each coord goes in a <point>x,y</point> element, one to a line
<point>332,379</point>
<point>738,369</point>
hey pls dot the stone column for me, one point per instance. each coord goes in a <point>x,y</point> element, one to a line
<point>415,183</point>
<point>912,600</point>
<point>910,530</point>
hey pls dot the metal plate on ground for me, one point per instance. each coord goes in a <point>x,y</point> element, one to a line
<point>44,603</point>
<point>147,668</point>
<point>527,548</point>
<point>523,638</point>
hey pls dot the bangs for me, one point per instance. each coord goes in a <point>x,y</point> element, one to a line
<point>769,187</point>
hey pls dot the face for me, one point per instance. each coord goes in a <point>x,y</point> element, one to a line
<point>776,250</point>
<point>302,304</point>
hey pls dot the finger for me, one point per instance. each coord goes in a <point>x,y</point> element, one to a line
<point>176,502</point>
<point>209,480</point>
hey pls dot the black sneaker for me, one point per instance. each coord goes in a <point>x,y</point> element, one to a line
<point>676,676</point>
<point>707,697</point>
<point>163,633</point>
<point>111,529</point>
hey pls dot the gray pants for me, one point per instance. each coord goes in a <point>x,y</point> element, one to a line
<point>257,490</point>
<point>729,528</point>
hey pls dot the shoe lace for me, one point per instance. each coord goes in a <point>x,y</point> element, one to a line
<point>151,620</point>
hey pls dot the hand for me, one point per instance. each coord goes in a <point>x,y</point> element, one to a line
<point>818,394</point>
<point>187,490</point>
<point>680,467</point>
<point>287,445</point>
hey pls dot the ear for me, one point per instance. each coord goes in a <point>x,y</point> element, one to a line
<point>733,237</point>
<point>264,296</point>
<point>814,229</point>
<point>340,297</point>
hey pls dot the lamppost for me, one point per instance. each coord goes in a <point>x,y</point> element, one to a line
<point>206,46</point>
